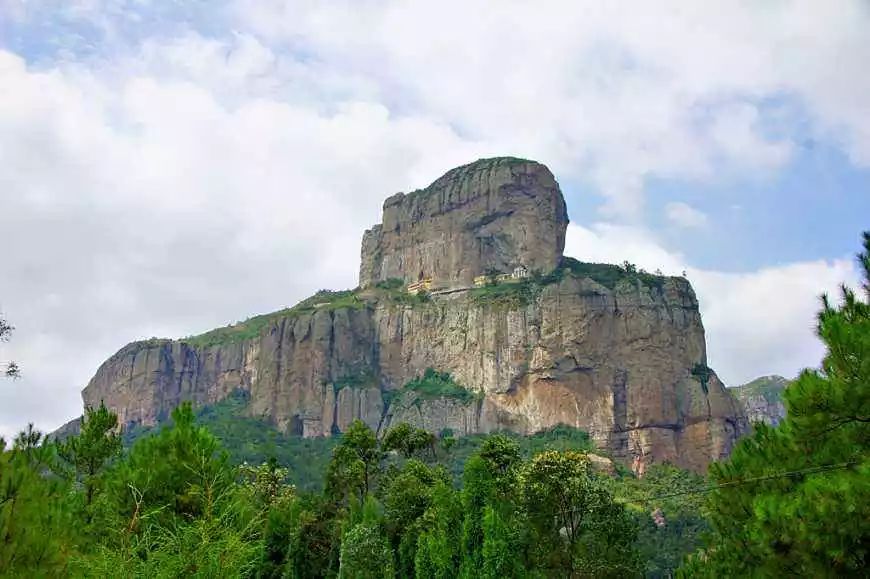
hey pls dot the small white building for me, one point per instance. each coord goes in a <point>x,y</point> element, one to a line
<point>520,272</point>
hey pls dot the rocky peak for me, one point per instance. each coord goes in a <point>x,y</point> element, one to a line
<point>616,352</point>
<point>490,215</point>
<point>762,399</point>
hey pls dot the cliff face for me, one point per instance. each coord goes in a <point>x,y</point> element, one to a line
<point>761,399</point>
<point>616,353</point>
<point>495,214</point>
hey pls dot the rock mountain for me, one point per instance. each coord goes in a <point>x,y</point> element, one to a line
<point>761,399</point>
<point>617,352</point>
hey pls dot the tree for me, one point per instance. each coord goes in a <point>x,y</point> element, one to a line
<point>407,494</point>
<point>10,369</point>
<point>408,441</point>
<point>366,554</point>
<point>88,453</point>
<point>267,483</point>
<point>171,507</point>
<point>489,478</point>
<point>794,500</point>
<point>501,545</point>
<point>578,530</point>
<point>438,552</point>
<point>35,521</point>
<point>315,538</point>
<point>355,462</point>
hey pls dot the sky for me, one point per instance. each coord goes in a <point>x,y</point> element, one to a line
<point>169,167</point>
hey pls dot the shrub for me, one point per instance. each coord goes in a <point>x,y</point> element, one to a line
<point>433,384</point>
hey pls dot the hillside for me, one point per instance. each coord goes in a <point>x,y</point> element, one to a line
<point>761,399</point>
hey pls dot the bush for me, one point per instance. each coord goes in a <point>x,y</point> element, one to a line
<point>252,328</point>
<point>433,384</point>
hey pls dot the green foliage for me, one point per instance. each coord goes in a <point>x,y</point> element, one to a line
<point>36,522</point>
<point>502,541</point>
<point>678,497</point>
<point>255,441</point>
<point>408,441</point>
<point>393,283</point>
<point>355,463</point>
<point>514,295</point>
<point>576,526</point>
<point>606,274</point>
<point>770,388</point>
<point>178,472</point>
<point>407,495</point>
<point>437,555</point>
<point>509,294</point>
<point>557,438</point>
<point>314,531</point>
<point>703,373</point>
<point>794,499</point>
<point>252,328</point>
<point>434,384</point>
<point>87,454</point>
<point>365,554</point>
<point>266,484</point>
<point>393,291</point>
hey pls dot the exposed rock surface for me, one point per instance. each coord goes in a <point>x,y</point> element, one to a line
<point>616,355</point>
<point>761,399</point>
<point>495,214</point>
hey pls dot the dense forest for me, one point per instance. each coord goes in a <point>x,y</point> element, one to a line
<point>180,501</point>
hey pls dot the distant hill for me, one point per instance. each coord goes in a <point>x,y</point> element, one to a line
<point>762,399</point>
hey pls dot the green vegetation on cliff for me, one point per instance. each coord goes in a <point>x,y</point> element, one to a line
<point>324,300</point>
<point>770,388</point>
<point>434,384</point>
<point>513,294</point>
<point>608,275</point>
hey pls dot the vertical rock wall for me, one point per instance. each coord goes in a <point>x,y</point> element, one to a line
<point>494,214</point>
<point>613,353</point>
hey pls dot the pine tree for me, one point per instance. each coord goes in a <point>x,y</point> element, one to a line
<point>795,499</point>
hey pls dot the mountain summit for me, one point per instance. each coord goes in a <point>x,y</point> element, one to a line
<point>468,319</point>
<point>490,215</point>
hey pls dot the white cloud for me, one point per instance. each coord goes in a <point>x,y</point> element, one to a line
<point>137,206</point>
<point>168,186</point>
<point>684,215</point>
<point>757,323</point>
<point>605,93</point>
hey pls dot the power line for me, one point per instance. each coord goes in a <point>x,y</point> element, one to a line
<point>741,482</point>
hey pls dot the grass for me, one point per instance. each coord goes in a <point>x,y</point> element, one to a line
<point>434,384</point>
<point>511,295</point>
<point>251,328</point>
<point>610,275</point>
<point>514,295</point>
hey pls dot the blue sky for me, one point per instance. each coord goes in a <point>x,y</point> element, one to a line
<point>173,166</point>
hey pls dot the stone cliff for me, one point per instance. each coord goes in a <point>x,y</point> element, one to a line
<point>616,352</point>
<point>486,216</point>
<point>761,399</point>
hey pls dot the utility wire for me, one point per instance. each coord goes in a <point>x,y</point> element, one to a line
<point>810,470</point>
